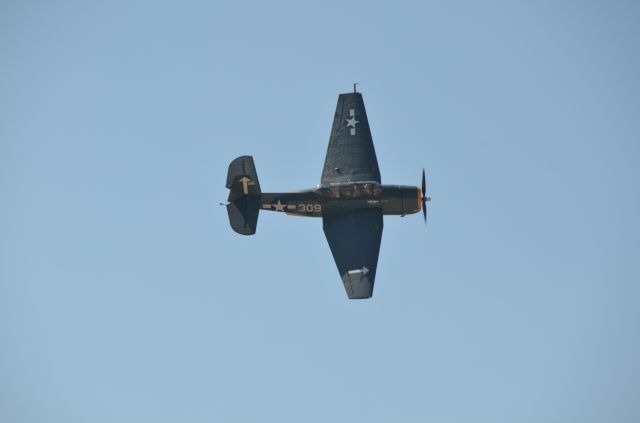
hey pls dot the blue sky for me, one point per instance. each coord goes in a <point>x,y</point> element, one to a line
<point>125,296</point>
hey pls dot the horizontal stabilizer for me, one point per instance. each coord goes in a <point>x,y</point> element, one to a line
<point>244,196</point>
<point>243,216</point>
<point>242,178</point>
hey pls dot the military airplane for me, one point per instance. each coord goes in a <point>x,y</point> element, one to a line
<point>350,199</point>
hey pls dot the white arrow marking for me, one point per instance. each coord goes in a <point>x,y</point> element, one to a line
<point>245,184</point>
<point>364,271</point>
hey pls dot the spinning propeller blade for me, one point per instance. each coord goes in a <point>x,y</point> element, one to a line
<point>424,196</point>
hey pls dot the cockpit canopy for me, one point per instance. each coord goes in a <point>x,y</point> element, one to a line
<point>350,190</point>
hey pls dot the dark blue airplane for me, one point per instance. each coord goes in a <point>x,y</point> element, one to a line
<point>350,199</point>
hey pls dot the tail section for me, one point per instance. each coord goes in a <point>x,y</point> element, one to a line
<point>244,197</point>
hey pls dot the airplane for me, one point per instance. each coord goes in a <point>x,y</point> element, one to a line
<point>350,199</point>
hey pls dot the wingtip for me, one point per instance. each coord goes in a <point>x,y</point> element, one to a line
<point>358,287</point>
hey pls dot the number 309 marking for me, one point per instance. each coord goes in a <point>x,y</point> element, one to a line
<point>310,208</point>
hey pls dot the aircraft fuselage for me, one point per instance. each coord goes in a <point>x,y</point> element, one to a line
<point>346,196</point>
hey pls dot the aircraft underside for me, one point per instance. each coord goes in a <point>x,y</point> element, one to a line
<point>350,199</point>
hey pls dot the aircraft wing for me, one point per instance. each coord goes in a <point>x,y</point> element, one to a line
<point>354,238</point>
<point>350,156</point>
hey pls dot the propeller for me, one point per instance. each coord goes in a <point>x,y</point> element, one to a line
<point>424,196</point>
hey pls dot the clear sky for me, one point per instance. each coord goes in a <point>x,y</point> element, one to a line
<point>126,297</point>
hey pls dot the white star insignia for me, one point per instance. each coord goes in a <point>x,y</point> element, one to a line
<point>279,206</point>
<point>352,122</point>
